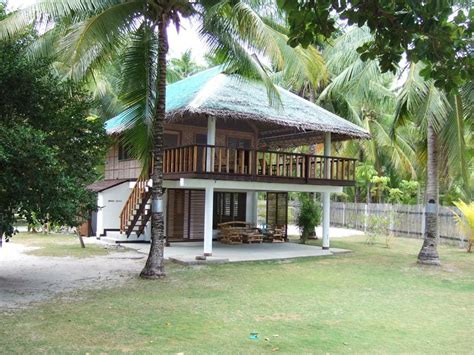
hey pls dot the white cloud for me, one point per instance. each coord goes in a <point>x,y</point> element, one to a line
<point>187,38</point>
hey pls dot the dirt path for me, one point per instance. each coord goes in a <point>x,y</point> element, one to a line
<point>26,279</point>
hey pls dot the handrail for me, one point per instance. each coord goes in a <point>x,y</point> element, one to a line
<point>260,150</point>
<point>214,159</point>
<point>133,200</point>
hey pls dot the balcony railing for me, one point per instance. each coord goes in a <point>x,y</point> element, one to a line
<point>260,165</point>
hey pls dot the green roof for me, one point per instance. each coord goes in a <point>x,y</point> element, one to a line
<point>213,93</point>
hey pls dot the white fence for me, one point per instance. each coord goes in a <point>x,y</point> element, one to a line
<point>405,220</point>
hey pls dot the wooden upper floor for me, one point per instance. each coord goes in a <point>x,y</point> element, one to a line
<point>236,155</point>
<point>246,164</point>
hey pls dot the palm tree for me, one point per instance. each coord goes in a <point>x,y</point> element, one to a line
<point>419,101</point>
<point>97,31</point>
<point>359,91</point>
<point>183,67</point>
<point>100,29</point>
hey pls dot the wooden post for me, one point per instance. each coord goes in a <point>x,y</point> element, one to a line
<point>236,169</point>
<point>278,164</point>
<point>227,161</point>
<point>291,164</point>
<point>270,171</point>
<point>306,167</point>
<point>220,160</point>
<point>255,166</point>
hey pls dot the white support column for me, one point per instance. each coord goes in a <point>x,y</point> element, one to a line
<point>211,140</point>
<point>251,213</point>
<point>208,214</point>
<point>326,195</point>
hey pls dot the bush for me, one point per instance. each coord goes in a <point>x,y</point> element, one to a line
<point>466,223</point>
<point>379,225</point>
<point>309,216</point>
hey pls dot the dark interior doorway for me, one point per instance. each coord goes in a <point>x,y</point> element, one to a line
<point>229,206</point>
<point>277,210</point>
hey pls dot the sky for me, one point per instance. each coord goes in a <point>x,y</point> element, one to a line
<point>187,38</point>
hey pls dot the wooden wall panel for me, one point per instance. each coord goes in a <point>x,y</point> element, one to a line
<point>120,169</point>
<point>185,214</point>
<point>175,214</point>
<point>196,217</point>
<point>277,209</point>
<point>130,169</point>
<point>187,209</point>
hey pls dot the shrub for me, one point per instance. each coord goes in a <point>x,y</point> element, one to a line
<point>379,225</point>
<point>466,223</point>
<point>309,216</point>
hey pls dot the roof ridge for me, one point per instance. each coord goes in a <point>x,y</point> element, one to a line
<point>219,68</point>
<point>207,90</point>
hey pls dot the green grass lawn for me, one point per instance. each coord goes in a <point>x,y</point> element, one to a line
<point>375,300</point>
<point>58,245</point>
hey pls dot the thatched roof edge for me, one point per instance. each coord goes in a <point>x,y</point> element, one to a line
<point>181,114</point>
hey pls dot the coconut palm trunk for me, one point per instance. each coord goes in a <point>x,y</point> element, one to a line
<point>429,252</point>
<point>154,267</point>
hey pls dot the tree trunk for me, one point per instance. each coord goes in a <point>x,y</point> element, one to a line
<point>154,267</point>
<point>429,252</point>
<point>81,241</point>
<point>312,94</point>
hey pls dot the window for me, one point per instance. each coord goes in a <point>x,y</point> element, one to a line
<point>171,139</point>
<point>200,138</point>
<point>233,142</point>
<point>123,152</point>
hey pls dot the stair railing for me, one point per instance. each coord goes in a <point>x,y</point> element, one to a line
<point>128,210</point>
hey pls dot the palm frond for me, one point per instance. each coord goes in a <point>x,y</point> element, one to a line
<point>93,42</point>
<point>46,12</point>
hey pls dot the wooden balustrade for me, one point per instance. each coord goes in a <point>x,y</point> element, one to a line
<point>206,159</point>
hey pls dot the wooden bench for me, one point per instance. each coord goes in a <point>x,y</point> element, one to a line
<point>275,235</point>
<point>252,235</point>
<point>238,232</point>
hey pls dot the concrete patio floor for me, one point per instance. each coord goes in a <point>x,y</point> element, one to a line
<point>186,252</point>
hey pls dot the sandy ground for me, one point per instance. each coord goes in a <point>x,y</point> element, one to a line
<point>26,279</point>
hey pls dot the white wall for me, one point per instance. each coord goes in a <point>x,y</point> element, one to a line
<point>110,203</point>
